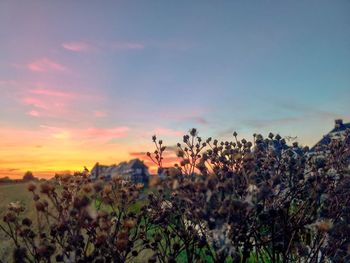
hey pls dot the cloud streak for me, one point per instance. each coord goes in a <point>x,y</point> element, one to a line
<point>33,113</point>
<point>46,65</point>
<point>53,93</point>
<point>47,100</point>
<point>78,46</point>
<point>89,133</point>
<point>85,47</point>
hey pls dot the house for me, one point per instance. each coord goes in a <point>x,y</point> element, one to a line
<point>319,151</point>
<point>337,133</point>
<point>134,170</point>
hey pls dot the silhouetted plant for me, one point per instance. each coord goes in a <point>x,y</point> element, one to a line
<point>260,201</point>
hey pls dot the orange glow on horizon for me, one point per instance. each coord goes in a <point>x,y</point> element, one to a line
<point>48,150</point>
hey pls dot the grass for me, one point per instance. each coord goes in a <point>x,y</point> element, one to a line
<point>13,192</point>
<point>10,193</point>
<point>18,192</point>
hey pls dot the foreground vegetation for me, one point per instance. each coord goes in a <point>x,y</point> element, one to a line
<point>9,193</point>
<point>238,201</point>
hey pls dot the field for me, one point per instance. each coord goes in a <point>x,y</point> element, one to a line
<point>10,193</point>
<point>18,192</point>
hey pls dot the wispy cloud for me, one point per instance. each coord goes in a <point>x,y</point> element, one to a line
<point>48,103</point>
<point>83,46</point>
<point>90,133</point>
<point>50,100</point>
<point>45,65</point>
<point>9,170</point>
<point>78,46</point>
<point>138,154</point>
<point>125,45</point>
<point>36,102</point>
<point>53,93</point>
<point>33,113</point>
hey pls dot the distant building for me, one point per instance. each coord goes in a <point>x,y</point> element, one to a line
<point>337,133</point>
<point>320,151</point>
<point>134,170</point>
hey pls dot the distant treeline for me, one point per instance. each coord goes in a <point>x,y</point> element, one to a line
<point>27,177</point>
<point>7,180</point>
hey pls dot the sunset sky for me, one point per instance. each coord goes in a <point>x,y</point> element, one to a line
<point>88,81</point>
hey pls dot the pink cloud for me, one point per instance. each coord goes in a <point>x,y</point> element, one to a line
<point>48,100</point>
<point>45,65</point>
<point>33,113</point>
<point>92,133</point>
<point>48,105</point>
<point>52,93</point>
<point>78,46</point>
<point>36,102</point>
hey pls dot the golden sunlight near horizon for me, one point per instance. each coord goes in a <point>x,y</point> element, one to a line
<point>46,153</point>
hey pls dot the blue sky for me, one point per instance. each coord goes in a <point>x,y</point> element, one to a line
<point>103,77</point>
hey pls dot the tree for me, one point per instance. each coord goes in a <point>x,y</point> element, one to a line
<point>28,176</point>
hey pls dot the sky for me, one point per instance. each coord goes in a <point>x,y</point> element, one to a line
<point>91,81</point>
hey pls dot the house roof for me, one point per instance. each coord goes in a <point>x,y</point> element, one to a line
<point>136,163</point>
<point>121,167</point>
<point>100,166</point>
<point>339,127</point>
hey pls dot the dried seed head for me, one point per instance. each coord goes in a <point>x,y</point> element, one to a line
<point>107,189</point>
<point>139,186</point>
<point>87,188</point>
<point>46,188</point>
<point>324,226</point>
<point>98,186</point>
<point>40,206</point>
<point>10,217</point>
<point>122,244</point>
<point>26,222</point>
<point>31,187</point>
<point>129,223</point>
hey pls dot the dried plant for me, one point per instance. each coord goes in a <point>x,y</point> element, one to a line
<point>259,201</point>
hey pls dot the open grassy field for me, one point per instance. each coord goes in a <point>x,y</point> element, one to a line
<point>10,193</point>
